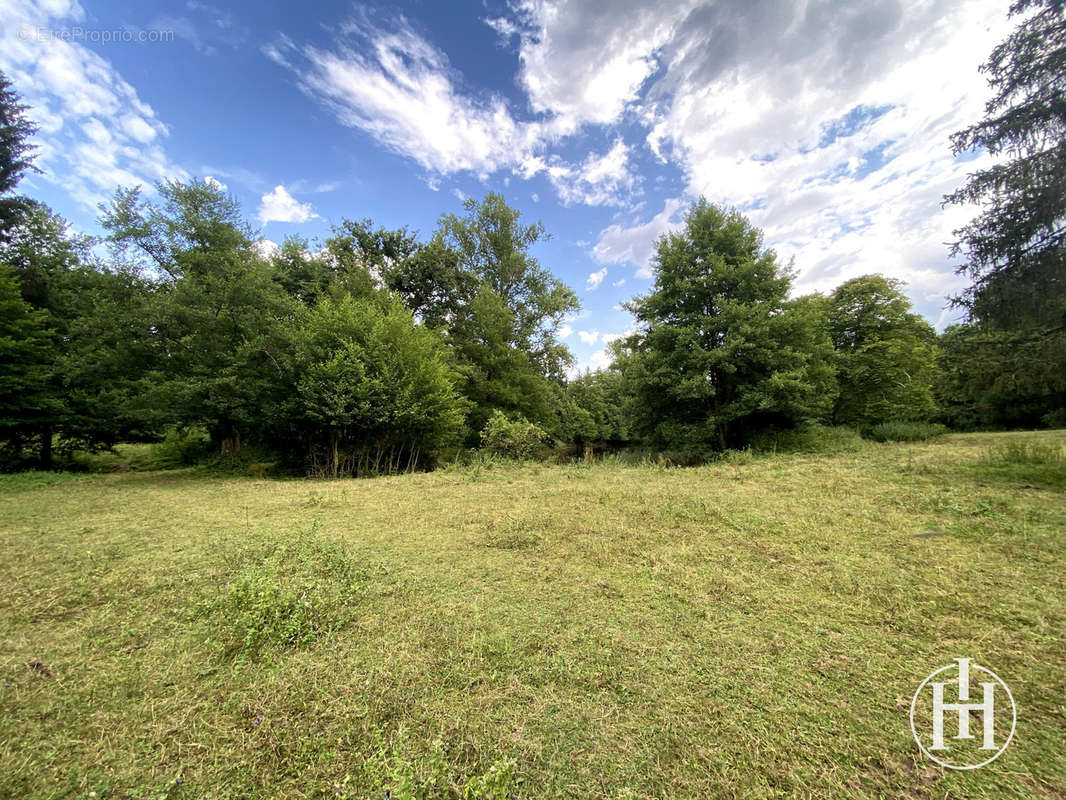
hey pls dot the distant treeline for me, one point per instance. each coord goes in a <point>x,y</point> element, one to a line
<point>377,351</point>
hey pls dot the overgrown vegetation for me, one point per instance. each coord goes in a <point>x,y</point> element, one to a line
<point>906,431</point>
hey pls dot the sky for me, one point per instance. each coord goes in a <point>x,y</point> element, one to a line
<point>827,122</point>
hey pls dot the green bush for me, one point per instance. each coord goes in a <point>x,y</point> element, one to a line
<point>906,431</point>
<point>1055,419</point>
<point>181,447</point>
<point>819,439</point>
<point>518,439</point>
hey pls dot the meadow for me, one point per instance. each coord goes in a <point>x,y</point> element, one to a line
<point>755,627</point>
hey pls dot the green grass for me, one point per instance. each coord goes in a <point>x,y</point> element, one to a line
<point>752,628</point>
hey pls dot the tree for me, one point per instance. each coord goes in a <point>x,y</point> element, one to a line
<point>988,378</point>
<point>16,152</point>
<point>374,390</point>
<point>720,351</point>
<point>1015,250</point>
<point>496,375</point>
<point>493,246</point>
<point>26,348</point>
<point>218,312</point>
<point>885,354</point>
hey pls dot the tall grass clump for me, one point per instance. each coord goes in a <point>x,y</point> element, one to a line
<point>906,431</point>
<point>1029,452</point>
<point>815,439</point>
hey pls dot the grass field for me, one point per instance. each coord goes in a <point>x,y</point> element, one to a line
<point>753,628</point>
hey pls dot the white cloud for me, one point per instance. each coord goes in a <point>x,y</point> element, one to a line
<point>827,123</point>
<point>210,180</point>
<point>619,282</point>
<point>601,359</point>
<point>598,180</point>
<point>595,279</point>
<point>397,87</point>
<point>265,248</point>
<point>585,62</point>
<point>459,195</point>
<point>95,133</point>
<point>280,206</point>
<point>607,338</point>
<point>565,331</point>
<point>589,337</point>
<point>636,244</point>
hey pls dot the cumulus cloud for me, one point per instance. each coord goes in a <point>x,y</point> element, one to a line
<point>565,331</point>
<point>603,179</point>
<point>589,337</point>
<point>280,206</point>
<point>595,279</point>
<point>635,244</point>
<point>600,359</point>
<point>827,123</point>
<point>95,133</point>
<point>215,182</point>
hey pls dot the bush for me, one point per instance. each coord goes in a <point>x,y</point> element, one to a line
<point>518,439</point>
<point>820,439</point>
<point>1055,419</point>
<point>906,431</point>
<point>181,447</point>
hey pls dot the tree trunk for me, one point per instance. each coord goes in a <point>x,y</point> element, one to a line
<point>229,438</point>
<point>46,446</point>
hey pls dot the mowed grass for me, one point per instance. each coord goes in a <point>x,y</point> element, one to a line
<point>754,628</point>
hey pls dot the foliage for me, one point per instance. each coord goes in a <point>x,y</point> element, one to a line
<point>906,431</point>
<point>518,439</point>
<point>493,246</point>
<point>16,153</point>
<point>997,378</point>
<point>809,438</point>
<point>885,353</point>
<point>216,310</point>
<point>720,351</point>
<point>374,391</point>
<point>1014,248</point>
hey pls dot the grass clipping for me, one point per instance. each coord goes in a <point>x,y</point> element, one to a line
<point>284,595</point>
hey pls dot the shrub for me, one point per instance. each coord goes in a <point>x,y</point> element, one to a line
<point>518,439</point>
<point>906,431</point>
<point>1055,419</point>
<point>181,447</point>
<point>813,438</point>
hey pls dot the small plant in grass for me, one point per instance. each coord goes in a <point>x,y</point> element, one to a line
<point>906,431</point>
<point>295,592</point>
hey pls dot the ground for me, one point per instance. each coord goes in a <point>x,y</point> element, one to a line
<point>753,628</point>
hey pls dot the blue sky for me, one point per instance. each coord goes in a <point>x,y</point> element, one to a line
<point>827,122</point>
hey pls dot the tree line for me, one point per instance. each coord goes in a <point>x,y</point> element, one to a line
<point>380,351</point>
